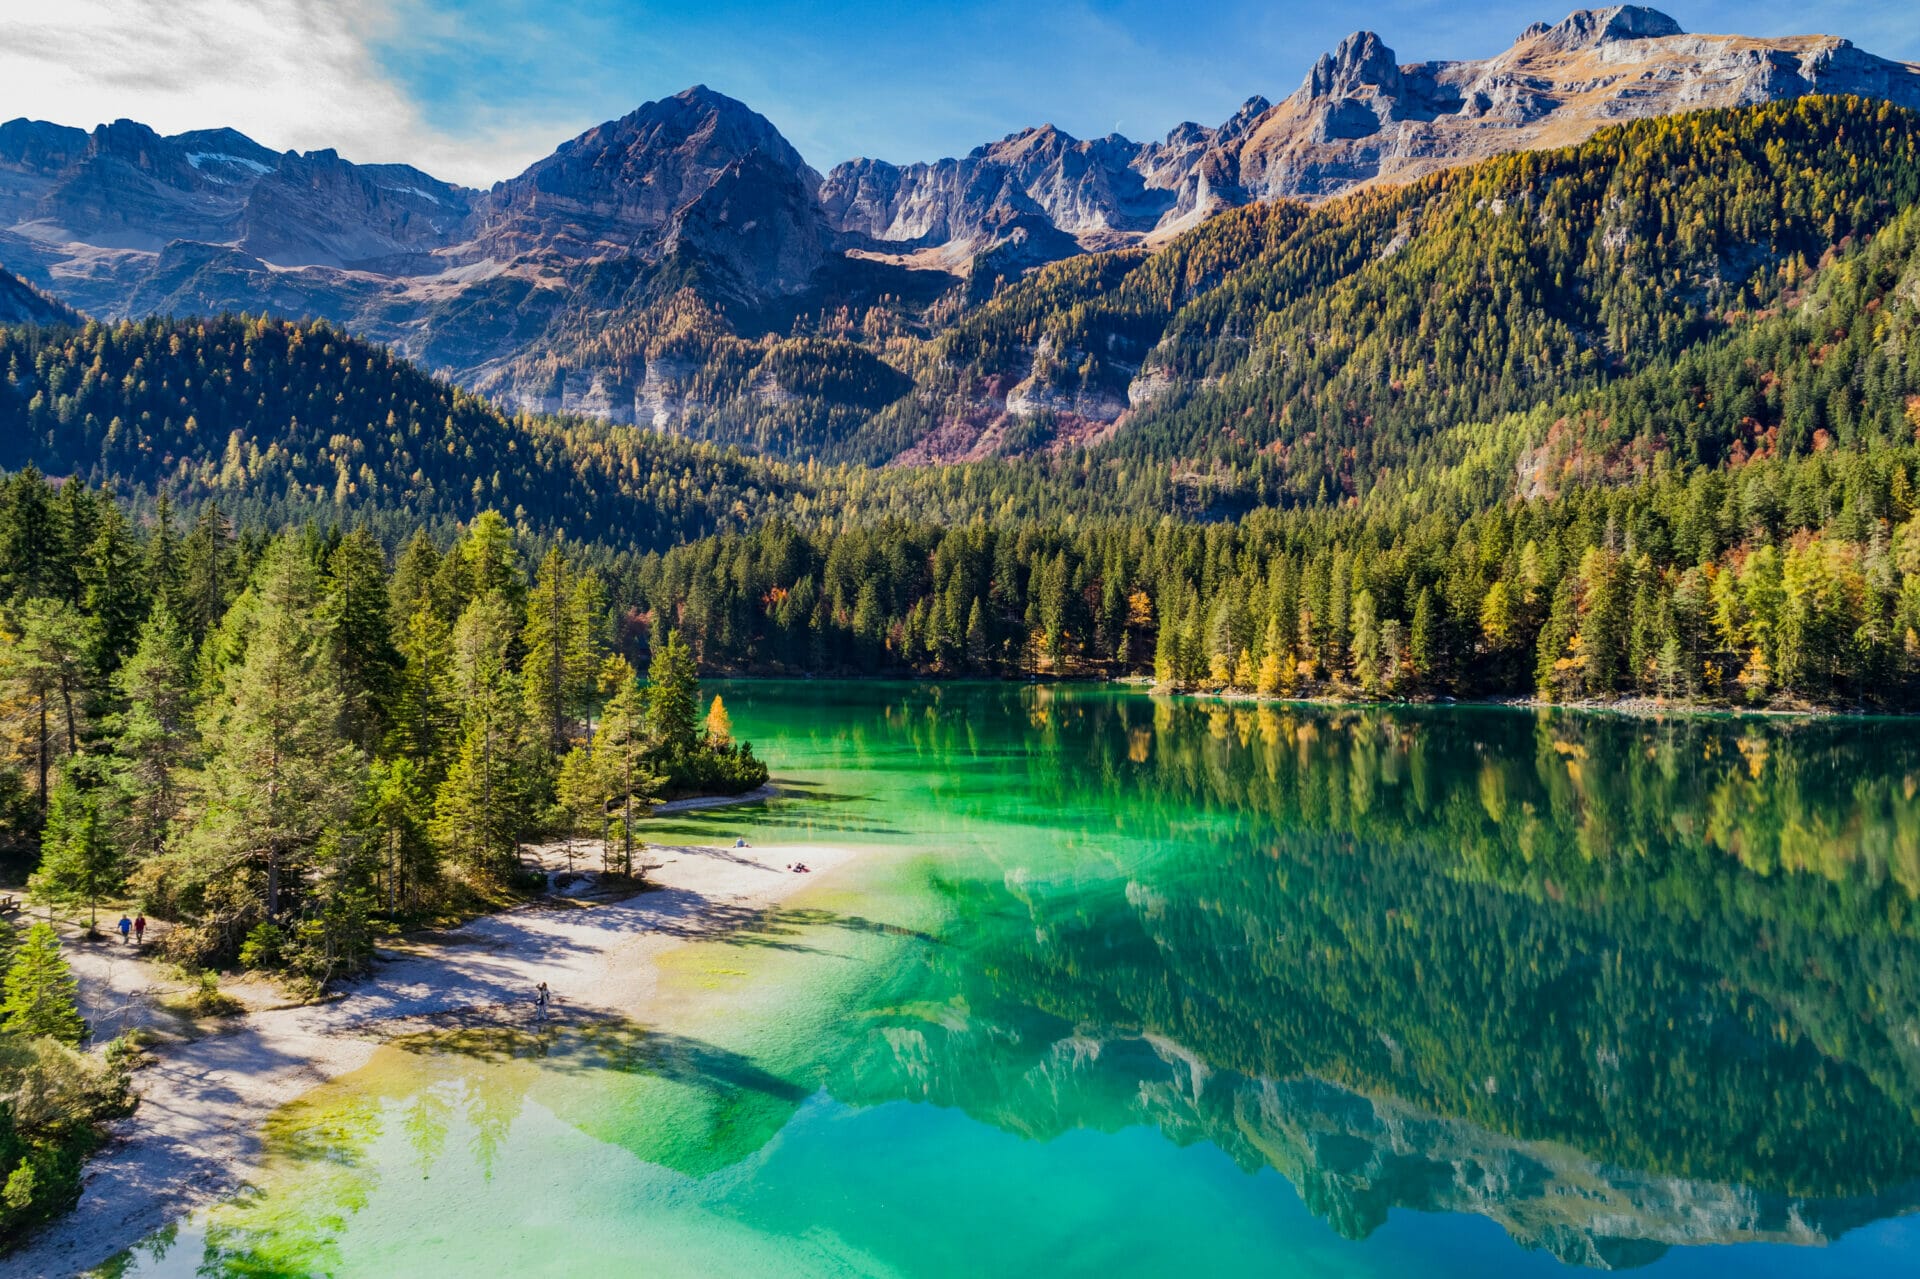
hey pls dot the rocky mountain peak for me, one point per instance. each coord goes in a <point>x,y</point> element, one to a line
<point>616,187</point>
<point>696,172</point>
<point>1250,110</point>
<point>1362,62</point>
<point>1590,28</point>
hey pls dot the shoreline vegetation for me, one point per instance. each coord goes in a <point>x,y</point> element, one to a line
<point>1642,707</point>
<point>288,749</point>
<point>211,1081</point>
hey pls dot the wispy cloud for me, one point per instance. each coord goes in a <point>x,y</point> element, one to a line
<point>290,73</point>
<point>474,90</point>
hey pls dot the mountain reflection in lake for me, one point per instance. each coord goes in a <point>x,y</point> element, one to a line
<point>1617,985</point>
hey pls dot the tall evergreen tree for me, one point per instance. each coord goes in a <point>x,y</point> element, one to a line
<point>281,775</point>
<point>114,593</point>
<point>33,554</point>
<point>78,861</point>
<point>673,694</point>
<point>42,996</point>
<point>621,747</point>
<point>43,676</point>
<point>359,629</point>
<point>155,735</point>
<point>489,798</point>
<point>209,572</point>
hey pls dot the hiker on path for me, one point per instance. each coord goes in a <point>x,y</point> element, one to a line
<point>540,1000</point>
<point>126,926</point>
<point>139,930</point>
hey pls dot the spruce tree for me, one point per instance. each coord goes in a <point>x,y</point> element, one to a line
<point>398,813</point>
<point>115,593</point>
<point>32,551</point>
<point>563,648</point>
<point>425,718</point>
<point>281,775</point>
<point>42,996</point>
<point>164,559</point>
<point>78,861</point>
<point>582,793</point>
<point>355,614</point>
<point>486,802</point>
<point>673,694</point>
<point>43,676</point>
<point>209,572</point>
<point>621,747</point>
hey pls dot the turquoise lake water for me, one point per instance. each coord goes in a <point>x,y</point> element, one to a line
<point>1124,986</point>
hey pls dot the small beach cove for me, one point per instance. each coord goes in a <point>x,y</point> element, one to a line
<point>196,1136</point>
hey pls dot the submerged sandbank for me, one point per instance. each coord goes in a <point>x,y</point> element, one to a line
<point>196,1136</point>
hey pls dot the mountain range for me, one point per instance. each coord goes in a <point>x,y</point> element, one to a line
<point>684,267</point>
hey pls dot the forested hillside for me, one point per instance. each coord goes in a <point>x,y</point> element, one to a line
<point>1304,353</point>
<point>1735,522</point>
<point>281,421</point>
<point>1636,417</point>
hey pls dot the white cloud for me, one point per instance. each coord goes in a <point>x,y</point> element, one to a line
<point>297,74</point>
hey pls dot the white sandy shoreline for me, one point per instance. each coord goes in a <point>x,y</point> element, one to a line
<point>195,1137</point>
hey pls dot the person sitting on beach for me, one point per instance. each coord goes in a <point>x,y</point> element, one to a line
<point>740,843</point>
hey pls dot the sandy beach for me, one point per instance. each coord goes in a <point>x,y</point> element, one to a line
<point>195,1135</point>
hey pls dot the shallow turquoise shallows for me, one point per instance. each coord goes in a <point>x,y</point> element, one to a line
<point>1122,986</point>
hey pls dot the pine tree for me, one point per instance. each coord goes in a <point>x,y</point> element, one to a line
<point>425,721</point>
<point>485,806</point>
<point>114,593</point>
<point>1166,644</point>
<point>281,776</point>
<point>154,737</point>
<point>209,572</point>
<point>398,813</point>
<point>563,643</point>
<point>1366,643</point>
<point>1423,640</point>
<point>42,996</point>
<point>487,801</point>
<point>43,679</point>
<point>354,612</point>
<point>78,861</point>
<point>673,695</point>
<point>32,552</point>
<point>491,560</point>
<point>583,794</point>
<point>1555,636</point>
<point>415,575</point>
<point>621,747</point>
<point>976,640</point>
<point>165,560</point>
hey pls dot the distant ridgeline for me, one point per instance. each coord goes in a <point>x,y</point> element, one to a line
<point>1635,417</point>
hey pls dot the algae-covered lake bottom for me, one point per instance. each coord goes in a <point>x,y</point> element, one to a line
<point>1127,986</point>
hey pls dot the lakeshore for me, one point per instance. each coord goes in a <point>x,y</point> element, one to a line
<point>196,1134</point>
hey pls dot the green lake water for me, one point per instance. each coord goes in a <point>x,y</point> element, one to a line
<point>1135,987</point>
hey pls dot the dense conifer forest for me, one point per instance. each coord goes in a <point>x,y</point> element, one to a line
<point>286,744</point>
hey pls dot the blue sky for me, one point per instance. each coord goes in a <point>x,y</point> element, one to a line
<point>474,89</point>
